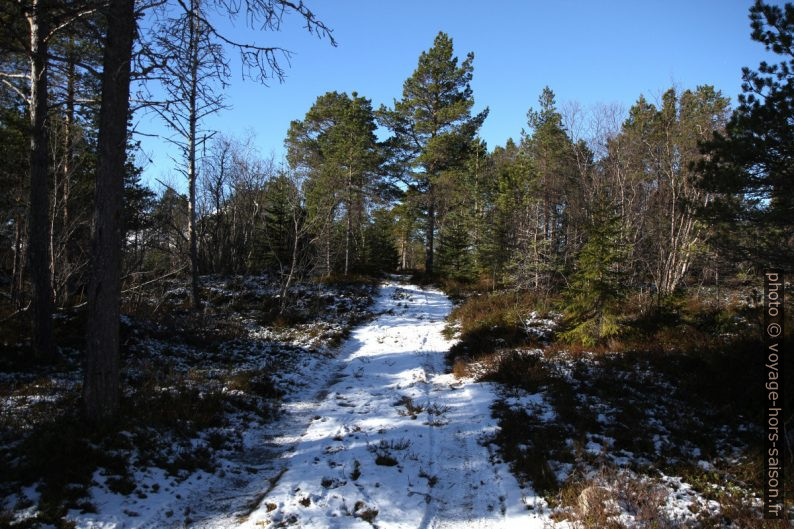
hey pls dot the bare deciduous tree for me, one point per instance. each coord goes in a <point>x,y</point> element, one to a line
<point>194,73</point>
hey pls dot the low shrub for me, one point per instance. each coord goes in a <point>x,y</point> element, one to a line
<point>489,322</point>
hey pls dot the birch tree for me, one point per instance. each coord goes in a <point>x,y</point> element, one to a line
<point>661,147</point>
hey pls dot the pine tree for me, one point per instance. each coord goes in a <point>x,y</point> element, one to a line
<point>750,166</point>
<point>274,236</point>
<point>455,252</point>
<point>336,146</point>
<point>547,183</point>
<point>101,390</point>
<point>433,129</point>
<point>380,253</point>
<point>501,199</point>
<point>406,231</point>
<point>463,209</point>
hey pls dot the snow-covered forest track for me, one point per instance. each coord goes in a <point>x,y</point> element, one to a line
<point>395,442</point>
<point>376,434</point>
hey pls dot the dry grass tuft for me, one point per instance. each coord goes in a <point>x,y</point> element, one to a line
<point>599,503</point>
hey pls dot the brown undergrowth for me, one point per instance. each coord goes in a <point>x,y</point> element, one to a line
<point>678,393</point>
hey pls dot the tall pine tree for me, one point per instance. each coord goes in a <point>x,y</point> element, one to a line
<point>547,183</point>
<point>336,145</point>
<point>750,166</point>
<point>432,127</point>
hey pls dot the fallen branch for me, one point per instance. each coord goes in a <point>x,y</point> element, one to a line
<point>173,272</point>
<point>14,314</point>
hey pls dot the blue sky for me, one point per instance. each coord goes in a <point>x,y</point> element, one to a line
<point>586,51</point>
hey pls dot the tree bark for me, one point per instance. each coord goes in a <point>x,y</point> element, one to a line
<point>328,252</point>
<point>191,171</point>
<point>68,155</point>
<point>101,377</point>
<point>293,263</point>
<point>349,227</point>
<point>38,221</point>
<point>430,230</point>
<point>19,263</point>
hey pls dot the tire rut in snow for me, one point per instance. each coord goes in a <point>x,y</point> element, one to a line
<point>398,444</point>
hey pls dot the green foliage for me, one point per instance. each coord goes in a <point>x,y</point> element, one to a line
<point>750,166</point>
<point>462,208</point>
<point>13,152</point>
<point>433,122</point>
<point>281,221</point>
<point>406,234</point>
<point>591,300</point>
<point>432,126</point>
<point>531,189</point>
<point>380,252</point>
<point>496,242</point>
<point>335,145</point>
<point>138,198</point>
<point>456,260</point>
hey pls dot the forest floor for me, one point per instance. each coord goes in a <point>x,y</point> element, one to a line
<point>343,413</point>
<point>381,436</point>
<point>202,394</point>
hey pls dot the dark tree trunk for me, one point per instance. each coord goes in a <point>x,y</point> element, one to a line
<point>19,263</point>
<point>101,383</point>
<point>68,151</point>
<point>38,221</point>
<point>328,252</point>
<point>195,296</point>
<point>349,227</point>
<point>430,231</point>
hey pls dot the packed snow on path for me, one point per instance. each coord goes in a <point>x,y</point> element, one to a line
<point>396,442</point>
<point>378,436</point>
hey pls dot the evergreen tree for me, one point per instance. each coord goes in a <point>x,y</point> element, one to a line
<point>101,389</point>
<point>13,151</point>
<point>750,166</point>
<point>335,145</point>
<point>381,253</point>
<point>167,240</point>
<point>432,126</point>
<point>502,199</point>
<point>547,181</point>
<point>455,255</point>
<point>406,231</point>
<point>591,300</point>
<point>275,235</point>
<point>463,206</point>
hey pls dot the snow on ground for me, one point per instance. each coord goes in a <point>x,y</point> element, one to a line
<point>374,434</point>
<point>378,436</point>
<point>395,442</point>
<point>186,465</point>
